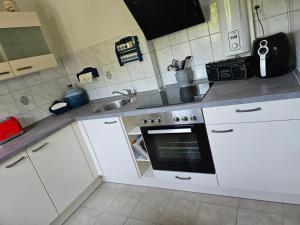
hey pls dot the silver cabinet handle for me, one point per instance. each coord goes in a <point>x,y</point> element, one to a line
<point>248,110</point>
<point>24,68</point>
<point>222,131</point>
<point>112,122</point>
<point>4,73</point>
<point>183,178</point>
<point>40,148</point>
<point>171,131</point>
<point>16,162</point>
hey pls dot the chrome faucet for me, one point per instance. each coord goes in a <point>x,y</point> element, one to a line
<point>129,93</point>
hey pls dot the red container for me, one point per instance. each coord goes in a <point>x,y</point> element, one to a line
<point>9,129</point>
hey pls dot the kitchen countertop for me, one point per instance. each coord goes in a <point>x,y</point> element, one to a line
<point>221,93</point>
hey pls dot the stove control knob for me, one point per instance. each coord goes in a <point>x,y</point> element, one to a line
<point>158,120</point>
<point>185,118</point>
<point>151,121</point>
<point>144,121</point>
<point>193,118</point>
<point>176,119</point>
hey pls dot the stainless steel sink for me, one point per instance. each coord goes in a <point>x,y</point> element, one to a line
<point>112,105</point>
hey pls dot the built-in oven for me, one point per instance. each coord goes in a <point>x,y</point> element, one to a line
<point>177,141</point>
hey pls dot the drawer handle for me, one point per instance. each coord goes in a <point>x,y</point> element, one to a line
<point>40,148</point>
<point>112,122</point>
<point>222,131</point>
<point>183,178</point>
<point>248,110</point>
<point>16,162</point>
<point>24,68</point>
<point>4,73</point>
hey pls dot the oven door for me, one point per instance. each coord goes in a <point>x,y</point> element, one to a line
<point>179,148</point>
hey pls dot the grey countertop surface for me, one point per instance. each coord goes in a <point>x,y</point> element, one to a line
<point>221,94</point>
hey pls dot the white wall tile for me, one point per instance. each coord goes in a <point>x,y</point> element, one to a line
<point>181,51</point>
<point>269,8</point>
<point>296,30</point>
<point>127,85</point>
<point>200,72</point>
<point>15,84</point>
<point>47,75</point>
<point>213,21</point>
<point>140,85</point>
<point>198,31</point>
<point>64,83</point>
<point>113,88</point>
<point>99,81</point>
<point>274,25</point>
<point>30,117</point>
<point>217,47</point>
<point>3,88</point>
<point>152,83</point>
<point>33,79</point>
<point>145,48</point>
<point>201,50</point>
<point>164,58</point>
<point>103,92</point>
<point>44,111</point>
<point>39,95</point>
<point>101,54</point>
<point>121,73</point>
<point>110,47</point>
<point>109,74</point>
<point>18,95</point>
<point>162,42</point>
<point>179,37</point>
<point>89,57</point>
<point>54,90</point>
<point>8,106</point>
<point>74,63</point>
<point>168,78</point>
<point>136,70</point>
<point>295,4</point>
<point>147,65</point>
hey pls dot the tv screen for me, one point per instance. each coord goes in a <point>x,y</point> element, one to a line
<point>157,18</point>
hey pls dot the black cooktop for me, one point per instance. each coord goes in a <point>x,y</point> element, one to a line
<point>173,96</point>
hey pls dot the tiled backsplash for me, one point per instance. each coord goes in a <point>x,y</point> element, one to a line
<point>29,97</point>
<point>202,42</point>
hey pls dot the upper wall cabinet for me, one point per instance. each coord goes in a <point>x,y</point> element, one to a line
<point>23,48</point>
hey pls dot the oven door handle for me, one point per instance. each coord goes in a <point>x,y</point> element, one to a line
<point>171,131</point>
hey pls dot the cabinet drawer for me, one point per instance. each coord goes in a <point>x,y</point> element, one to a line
<point>32,64</point>
<point>254,112</point>
<point>5,71</point>
<point>181,179</point>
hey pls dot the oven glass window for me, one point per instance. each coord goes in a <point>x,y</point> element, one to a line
<point>176,147</point>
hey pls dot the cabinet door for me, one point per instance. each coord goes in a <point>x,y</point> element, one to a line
<point>24,199</point>
<point>257,156</point>
<point>112,150</point>
<point>62,167</point>
<point>5,71</point>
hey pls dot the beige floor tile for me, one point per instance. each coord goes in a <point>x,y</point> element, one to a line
<point>131,221</point>
<point>124,203</point>
<point>291,220</point>
<point>109,185</point>
<point>101,198</point>
<point>180,212</point>
<point>291,210</point>
<point>211,214</point>
<point>271,207</point>
<point>186,195</point>
<point>84,216</point>
<point>150,207</point>
<point>139,189</point>
<point>159,191</point>
<point>111,219</point>
<point>219,200</point>
<point>252,217</point>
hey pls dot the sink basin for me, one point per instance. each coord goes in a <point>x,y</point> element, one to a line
<point>112,105</point>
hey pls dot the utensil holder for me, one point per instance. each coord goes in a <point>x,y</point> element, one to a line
<point>184,77</point>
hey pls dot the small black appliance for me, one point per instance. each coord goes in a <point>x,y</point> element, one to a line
<point>231,69</point>
<point>272,56</point>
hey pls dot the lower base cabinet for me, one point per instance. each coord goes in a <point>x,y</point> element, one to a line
<point>23,198</point>
<point>260,156</point>
<point>62,167</point>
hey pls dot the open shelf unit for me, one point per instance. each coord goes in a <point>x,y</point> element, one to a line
<point>133,132</point>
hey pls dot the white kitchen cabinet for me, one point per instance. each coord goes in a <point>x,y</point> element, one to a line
<point>112,150</point>
<point>23,198</point>
<point>261,156</point>
<point>22,44</point>
<point>61,165</point>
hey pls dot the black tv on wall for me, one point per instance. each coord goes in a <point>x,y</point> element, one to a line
<point>157,18</point>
